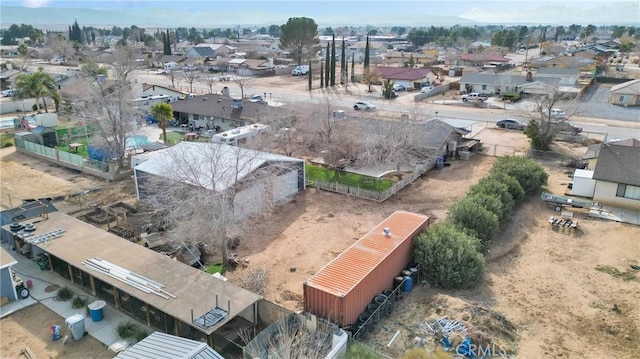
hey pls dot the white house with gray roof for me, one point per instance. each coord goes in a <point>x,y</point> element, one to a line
<point>568,77</point>
<point>490,84</point>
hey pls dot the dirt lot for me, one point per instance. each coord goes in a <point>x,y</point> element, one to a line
<point>543,281</point>
<point>30,328</point>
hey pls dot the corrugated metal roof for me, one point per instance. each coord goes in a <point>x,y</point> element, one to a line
<point>164,346</point>
<point>343,273</point>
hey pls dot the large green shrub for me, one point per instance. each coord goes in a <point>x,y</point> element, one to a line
<point>474,217</point>
<point>513,186</point>
<point>491,202</point>
<point>527,172</point>
<point>448,257</point>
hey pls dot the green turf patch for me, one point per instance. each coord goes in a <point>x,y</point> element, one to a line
<point>345,178</point>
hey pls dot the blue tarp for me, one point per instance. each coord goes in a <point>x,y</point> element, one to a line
<point>98,153</point>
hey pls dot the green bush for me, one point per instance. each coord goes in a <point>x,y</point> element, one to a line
<point>474,217</point>
<point>448,257</point>
<point>492,187</point>
<point>65,293</point>
<point>140,334</point>
<point>126,330</point>
<point>513,186</point>
<point>78,302</point>
<point>527,172</point>
<point>491,202</point>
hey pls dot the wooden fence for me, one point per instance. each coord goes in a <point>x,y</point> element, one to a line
<point>373,195</point>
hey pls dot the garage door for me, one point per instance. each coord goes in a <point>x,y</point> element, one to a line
<point>249,201</point>
<point>285,186</point>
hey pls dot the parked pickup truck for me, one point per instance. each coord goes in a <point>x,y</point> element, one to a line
<point>474,96</point>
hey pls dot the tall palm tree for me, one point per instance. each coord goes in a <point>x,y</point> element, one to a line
<point>37,85</point>
<point>162,112</point>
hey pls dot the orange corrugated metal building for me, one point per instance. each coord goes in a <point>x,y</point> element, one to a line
<point>342,289</point>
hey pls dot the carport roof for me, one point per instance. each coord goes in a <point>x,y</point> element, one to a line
<point>6,259</point>
<point>194,289</point>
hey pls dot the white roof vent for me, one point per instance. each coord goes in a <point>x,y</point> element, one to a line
<point>387,232</point>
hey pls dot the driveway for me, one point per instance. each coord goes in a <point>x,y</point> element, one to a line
<point>595,103</point>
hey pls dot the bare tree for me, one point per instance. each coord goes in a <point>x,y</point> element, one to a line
<point>190,77</point>
<point>371,76</point>
<point>210,80</point>
<point>544,122</point>
<point>124,62</point>
<point>394,143</point>
<point>107,106</point>
<point>201,193</point>
<point>290,337</point>
<point>171,75</point>
<point>46,54</point>
<point>242,82</point>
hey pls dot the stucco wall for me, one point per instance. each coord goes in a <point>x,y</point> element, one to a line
<point>605,193</point>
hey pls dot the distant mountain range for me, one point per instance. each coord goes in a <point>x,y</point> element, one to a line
<point>419,14</point>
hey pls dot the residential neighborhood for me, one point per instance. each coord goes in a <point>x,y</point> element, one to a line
<point>267,184</point>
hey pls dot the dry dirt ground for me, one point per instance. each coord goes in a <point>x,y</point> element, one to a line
<point>30,328</point>
<point>543,281</point>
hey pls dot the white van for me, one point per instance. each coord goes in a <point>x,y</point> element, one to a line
<point>300,70</point>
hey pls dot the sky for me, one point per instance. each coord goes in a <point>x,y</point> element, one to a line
<point>410,12</point>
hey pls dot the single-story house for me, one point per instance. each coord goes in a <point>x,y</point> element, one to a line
<point>166,346</point>
<point>266,179</point>
<point>400,57</point>
<point>409,77</point>
<point>217,113</point>
<point>210,51</point>
<point>251,67</point>
<point>202,308</point>
<point>626,94</point>
<point>160,60</point>
<point>482,59</point>
<point>489,84</point>
<point>567,76</point>
<point>7,284</point>
<point>159,90</point>
<point>617,175</point>
<point>585,64</point>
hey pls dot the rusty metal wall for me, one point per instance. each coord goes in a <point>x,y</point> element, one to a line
<point>339,294</point>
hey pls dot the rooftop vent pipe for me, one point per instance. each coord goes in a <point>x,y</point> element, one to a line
<point>387,232</point>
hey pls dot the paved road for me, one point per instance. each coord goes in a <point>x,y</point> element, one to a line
<point>616,122</point>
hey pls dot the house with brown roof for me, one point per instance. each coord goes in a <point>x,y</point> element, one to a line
<point>251,67</point>
<point>160,60</point>
<point>217,113</point>
<point>626,94</point>
<point>400,57</point>
<point>407,76</point>
<point>482,59</point>
<point>159,90</point>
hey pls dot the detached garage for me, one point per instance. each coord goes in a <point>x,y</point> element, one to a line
<point>261,179</point>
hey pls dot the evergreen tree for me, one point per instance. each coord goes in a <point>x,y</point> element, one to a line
<point>327,67</point>
<point>333,60</point>
<point>366,55</point>
<point>167,46</point>
<point>75,34</point>
<point>321,75</point>
<point>310,77</point>
<point>353,68</point>
<point>343,65</point>
<point>346,73</point>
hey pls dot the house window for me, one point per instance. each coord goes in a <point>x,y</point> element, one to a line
<point>628,191</point>
<point>484,87</point>
<point>623,98</point>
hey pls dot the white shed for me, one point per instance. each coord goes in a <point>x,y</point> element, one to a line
<point>583,183</point>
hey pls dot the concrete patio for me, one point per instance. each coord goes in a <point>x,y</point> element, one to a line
<point>27,269</point>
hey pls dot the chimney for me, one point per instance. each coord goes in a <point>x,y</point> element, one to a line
<point>387,232</point>
<point>529,76</point>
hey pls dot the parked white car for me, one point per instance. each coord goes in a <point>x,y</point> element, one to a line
<point>399,87</point>
<point>9,92</point>
<point>474,96</point>
<point>256,99</point>
<point>426,89</point>
<point>555,113</point>
<point>361,105</point>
